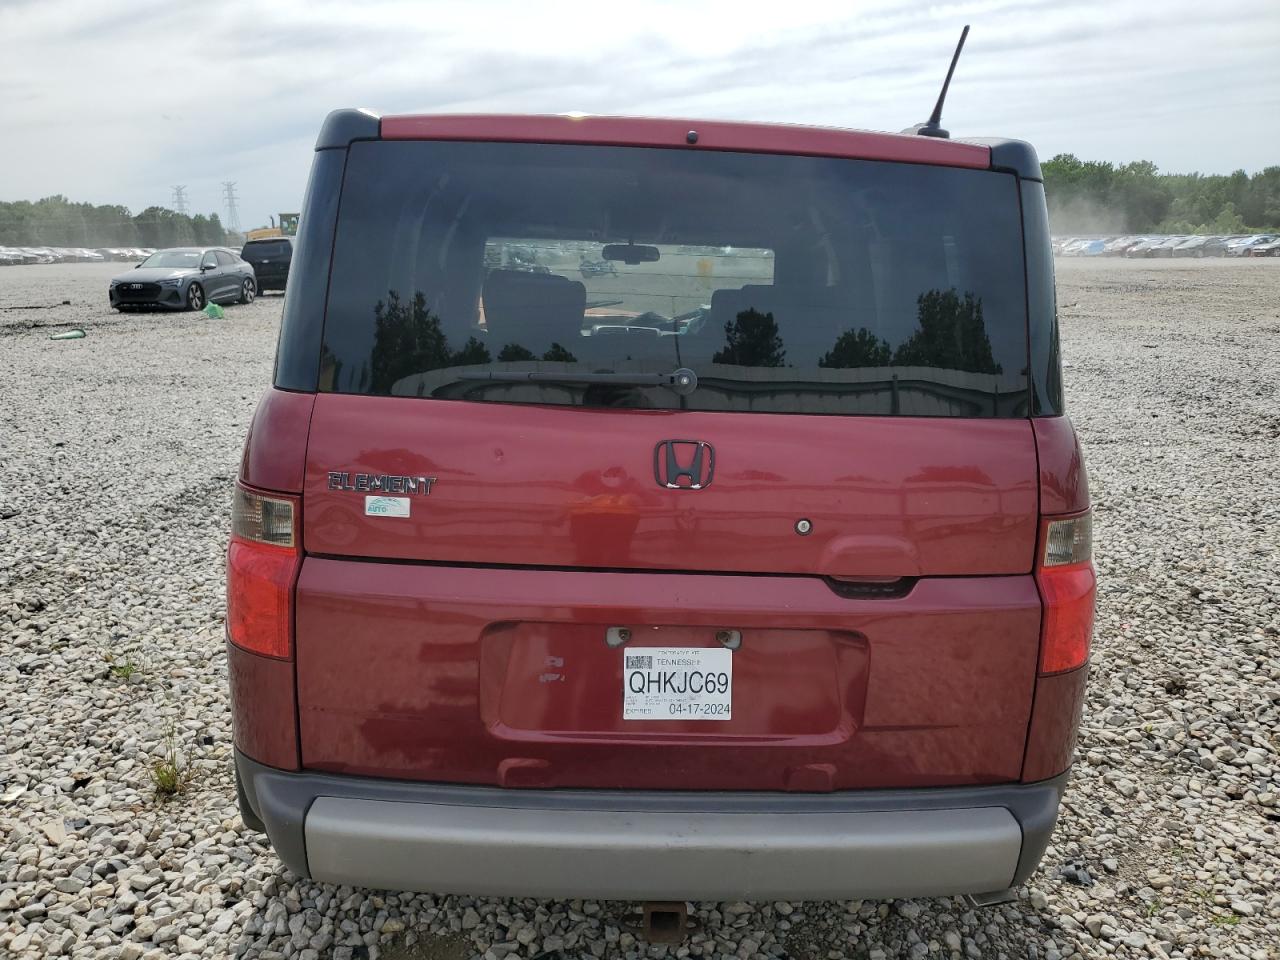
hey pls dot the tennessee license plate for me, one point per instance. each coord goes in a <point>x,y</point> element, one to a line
<point>677,683</point>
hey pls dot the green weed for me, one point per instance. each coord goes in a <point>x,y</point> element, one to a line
<point>170,774</point>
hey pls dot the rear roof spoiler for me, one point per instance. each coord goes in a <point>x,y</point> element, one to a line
<point>343,127</point>
<point>1011,156</point>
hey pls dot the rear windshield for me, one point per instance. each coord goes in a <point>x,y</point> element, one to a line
<point>574,275</point>
<point>266,248</point>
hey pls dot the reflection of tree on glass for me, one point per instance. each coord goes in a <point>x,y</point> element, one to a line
<point>952,335</point>
<point>514,353</point>
<point>473,351</point>
<point>557,352</point>
<point>751,340</point>
<point>858,348</point>
<point>407,340</point>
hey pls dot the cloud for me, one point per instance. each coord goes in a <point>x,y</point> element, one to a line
<point>115,102</point>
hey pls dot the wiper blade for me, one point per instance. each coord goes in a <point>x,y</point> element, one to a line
<point>683,381</point>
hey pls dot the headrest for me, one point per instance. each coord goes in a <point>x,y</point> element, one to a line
<point>533,309</point>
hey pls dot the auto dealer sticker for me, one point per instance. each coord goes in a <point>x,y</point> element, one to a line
<point>386,506</point>
<point>680,683</point>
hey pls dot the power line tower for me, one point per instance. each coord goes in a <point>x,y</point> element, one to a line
<point>233,215</point>
<point>179,200</point>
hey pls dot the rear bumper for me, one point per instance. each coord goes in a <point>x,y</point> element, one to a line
<point>635,845</point>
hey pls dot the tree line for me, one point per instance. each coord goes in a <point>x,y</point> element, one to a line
<point>1085,196</point>
<point>57,222</point>
<point>1093,196</point>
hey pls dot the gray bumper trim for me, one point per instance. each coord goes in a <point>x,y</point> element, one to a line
<point>668,856</point>
<point>660,845</point>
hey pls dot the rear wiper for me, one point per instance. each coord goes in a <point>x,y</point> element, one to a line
<point>683,381</point>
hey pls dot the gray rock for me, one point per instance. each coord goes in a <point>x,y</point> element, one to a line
<point>165,934</point>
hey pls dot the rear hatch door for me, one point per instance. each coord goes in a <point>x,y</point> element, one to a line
<point>509,526</point>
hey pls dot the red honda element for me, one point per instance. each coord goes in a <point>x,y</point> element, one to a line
<point>652,509</point>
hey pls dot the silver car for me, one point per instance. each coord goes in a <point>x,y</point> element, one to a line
<point>185,278</point>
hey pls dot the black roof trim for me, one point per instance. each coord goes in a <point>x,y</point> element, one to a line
<point>341,127</point>
<point>1015,156</point>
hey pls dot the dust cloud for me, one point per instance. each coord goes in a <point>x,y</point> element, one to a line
<point>1080,216</point>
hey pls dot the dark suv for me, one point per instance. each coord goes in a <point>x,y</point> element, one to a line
<point>756,566</point>
<point>271,257</point>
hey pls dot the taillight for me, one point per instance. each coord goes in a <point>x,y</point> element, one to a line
<point>1068,586</point>
<point>262,564</point>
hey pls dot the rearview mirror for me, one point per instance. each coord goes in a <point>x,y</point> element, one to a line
<point>207,266</point>
<point>631,253</point>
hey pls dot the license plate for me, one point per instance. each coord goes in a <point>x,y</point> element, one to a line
<point>677,683</point>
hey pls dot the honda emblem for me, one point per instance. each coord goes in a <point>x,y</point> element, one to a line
<point>683,464</point>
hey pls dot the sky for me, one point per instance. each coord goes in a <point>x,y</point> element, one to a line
<point>112,102</point>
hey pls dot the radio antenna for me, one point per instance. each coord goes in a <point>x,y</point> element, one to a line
<point>933,128</point>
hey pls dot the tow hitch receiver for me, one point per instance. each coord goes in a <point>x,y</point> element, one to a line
<point>664,921</point>
<point>991,899</point>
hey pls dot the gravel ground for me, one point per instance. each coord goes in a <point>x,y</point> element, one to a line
<point>119,450</point>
